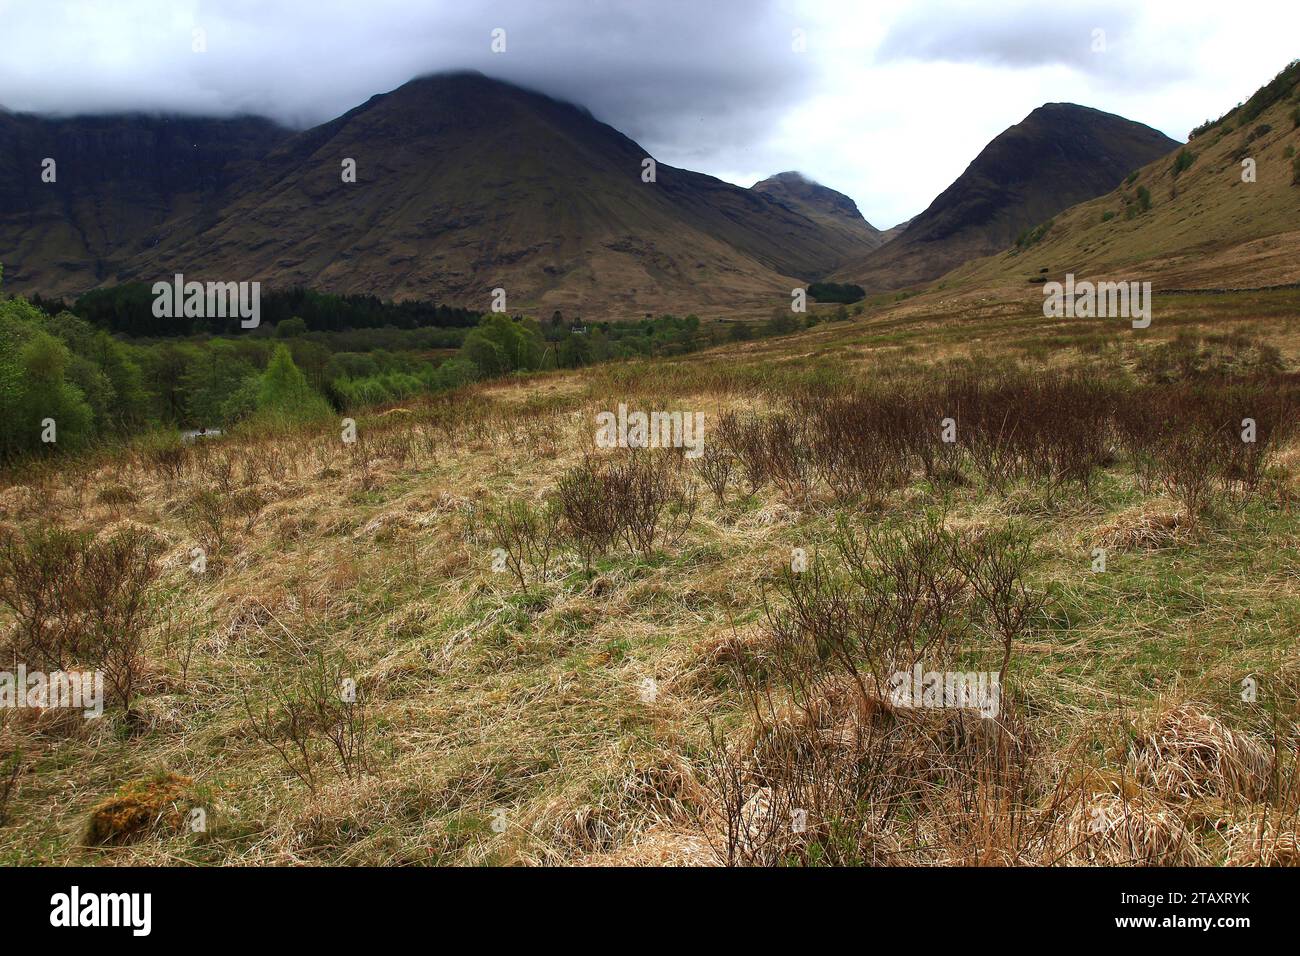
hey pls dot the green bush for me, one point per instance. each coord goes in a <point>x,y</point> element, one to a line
<point>1183,161</point>
<point>1031,237</point>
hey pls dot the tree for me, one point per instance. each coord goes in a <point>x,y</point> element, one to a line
<point>34,385</point>
<point>782,322</point>
<point>291,328</point>
<point>501,344</point>
<point>283,395</point>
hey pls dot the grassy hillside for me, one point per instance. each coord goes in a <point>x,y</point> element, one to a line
<point>668,689</point>
<point>1187,220</point>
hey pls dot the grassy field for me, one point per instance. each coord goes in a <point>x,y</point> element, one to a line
<point>672,704</point>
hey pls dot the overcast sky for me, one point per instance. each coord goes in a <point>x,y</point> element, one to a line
<point>884,100</point>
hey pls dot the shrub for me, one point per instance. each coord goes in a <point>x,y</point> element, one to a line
<point>715,465</point>
<point>164,452</point>
<point>81,603</point>
<point>993,562</point>
<point>207,517</point>
<point>1033,236</point>
<point>115,584</point>
<point>320,714</point>
<point>1183,161</point>
<point>742,436</point>
<point>642,499</point>
<point>653,504</point>
<point>831,744</point>
<point>38,578</point>
<point>527,535</point>
<point>589,521</point>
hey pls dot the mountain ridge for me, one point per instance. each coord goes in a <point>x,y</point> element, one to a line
<point>465,184</point>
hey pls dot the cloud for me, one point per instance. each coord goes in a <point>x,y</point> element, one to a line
<point>1016,34</point>
<point>687,75</point>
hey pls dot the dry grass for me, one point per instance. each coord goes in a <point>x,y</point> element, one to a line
<point>492,702</point>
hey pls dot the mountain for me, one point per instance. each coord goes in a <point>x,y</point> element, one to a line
<point>118,181</point>
<point>1059,155</point>
<point>833,211</point>
<point>463,184</point>
<point>1202,225</point>
<point>893,232</point>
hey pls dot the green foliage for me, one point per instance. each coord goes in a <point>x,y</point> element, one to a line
<point>291,328</point>
<point>128,309</point>
<point>283,395</point>
<point>501,344</point>
<point>1263,129</point>
<point>36,385</point>
<point>836,292</point>
<point>1143,198</point>
<point>1132,178</point>
<point>217,382</point>
<point>71,367</point>
<point>1183,161</point>
<point>1030,237</point>
<point>782,322</point>
<point>1276,90</point>
<point>1107,216</point>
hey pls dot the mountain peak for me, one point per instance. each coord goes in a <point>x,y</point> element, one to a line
<point>809,196</point>
<point>1059,155</point>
